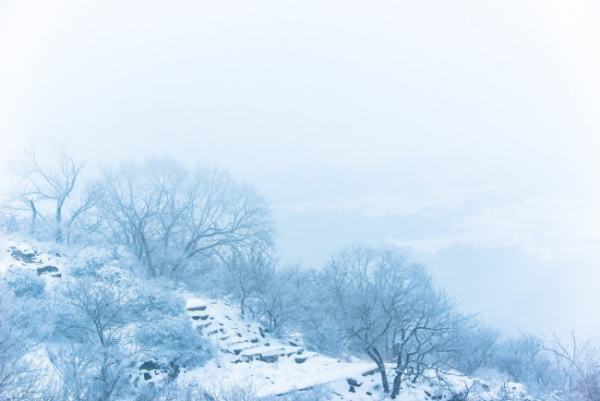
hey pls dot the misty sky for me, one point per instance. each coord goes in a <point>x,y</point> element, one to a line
<point>465,131</point>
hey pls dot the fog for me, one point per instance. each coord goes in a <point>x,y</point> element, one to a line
<point>465,132</point>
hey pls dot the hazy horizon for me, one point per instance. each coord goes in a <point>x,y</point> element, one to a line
<point>466,133</point>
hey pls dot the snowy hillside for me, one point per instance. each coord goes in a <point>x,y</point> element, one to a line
<point>279,366</point>
<point>244,355</point>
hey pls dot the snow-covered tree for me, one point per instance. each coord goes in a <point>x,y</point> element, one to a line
<point>474,345</point>
<point>52,195</point>
<point>20,377</point>
<point>579,362</point>
<point>93,317</point>
<point>386,308</point>
<point>169,216</point>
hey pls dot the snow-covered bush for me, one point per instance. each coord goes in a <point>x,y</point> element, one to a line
<point>154,300</point>
<point>108,321</point>
<point>20,378</point>
<point>88,260</point>
<point>26,283</point>
<point>525,359</point>
<point>171,341</point>
<point>473,345</point>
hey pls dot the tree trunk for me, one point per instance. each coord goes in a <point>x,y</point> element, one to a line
<point>243,305</point>
<point>397,379</point>
<point>396,385</point>
<point>58,232</point>
<point>34,214</point>
<point>376,357</point>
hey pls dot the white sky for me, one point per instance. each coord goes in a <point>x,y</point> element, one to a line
<point>466,130</point>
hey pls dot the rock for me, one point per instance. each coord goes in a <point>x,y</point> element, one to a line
<point>268,358</point>
<point>197,308</point>
<point>300,360</point>
<point>46,269</point>
<point>369,373</point>
<point>353,382</point>
<point>149,365</point>
<point>147,376</point>
<point>174,370</point>
<point>25,257</point>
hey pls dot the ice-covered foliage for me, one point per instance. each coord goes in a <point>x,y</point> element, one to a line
<point>95,319</point>
<point>172,218</point>
<point>20,374</point>
<point>163,283</point>
<point>86,323</point>
<point>26,283</point>
<point>172,341</point>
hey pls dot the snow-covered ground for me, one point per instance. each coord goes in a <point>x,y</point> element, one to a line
<point>17,254</point>
<point>246,356</point>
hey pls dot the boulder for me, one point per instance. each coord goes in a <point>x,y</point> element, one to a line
<point>23,256</point>
<point>46,269</point>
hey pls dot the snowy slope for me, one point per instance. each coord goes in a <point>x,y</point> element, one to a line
<point>249,357</point>
<point>17,254</point>
<point>246,356</point>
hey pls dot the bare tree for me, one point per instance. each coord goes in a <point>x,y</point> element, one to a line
<point>281,304</point>
<point>581,366</point>
<point>247,275</point>
<point>387,309</point>
<point>522,358</point>
<point>20,376</point>
<point>51,192</point>
<point>474,345</point>
<point>353,299</point>
<point>170,217</point>
<point>93,319</point>
<point>422,335</point>
<point>74,369</point>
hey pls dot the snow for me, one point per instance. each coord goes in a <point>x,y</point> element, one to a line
<point>246,356</point>
<point>242,351</point>
<point>19,254</point>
